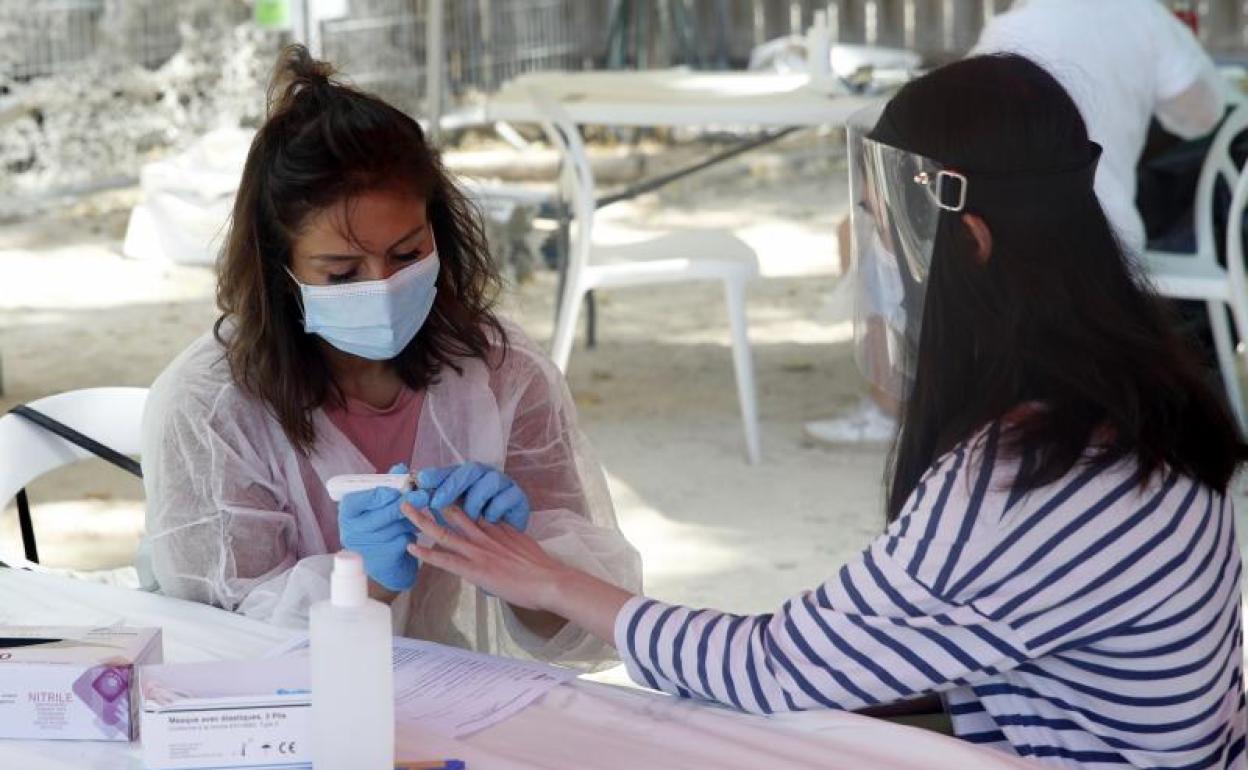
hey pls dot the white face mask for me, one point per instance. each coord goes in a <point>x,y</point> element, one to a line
<point>372,319</point>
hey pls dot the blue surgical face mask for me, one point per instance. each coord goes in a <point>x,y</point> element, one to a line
<point>372,319</point>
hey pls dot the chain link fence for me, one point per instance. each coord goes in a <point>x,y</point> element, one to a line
<point>381,45</point>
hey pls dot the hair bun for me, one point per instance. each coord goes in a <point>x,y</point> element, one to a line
<point>295,74</point>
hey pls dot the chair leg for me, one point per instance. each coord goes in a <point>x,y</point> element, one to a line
<point>1226,359</point>
<point>743,362</point>
<point>565,327</point>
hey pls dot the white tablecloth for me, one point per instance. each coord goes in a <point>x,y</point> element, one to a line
<point>582,725</point>
<point>677,97</point>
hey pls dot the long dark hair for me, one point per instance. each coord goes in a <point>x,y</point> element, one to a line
<point>322,144</point>
<point>1058,316</point>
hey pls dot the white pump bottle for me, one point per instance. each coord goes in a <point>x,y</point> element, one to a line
<point>352,675</point>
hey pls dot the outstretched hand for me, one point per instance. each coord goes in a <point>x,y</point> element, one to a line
<point>496,557</point>
<point>512,566</point>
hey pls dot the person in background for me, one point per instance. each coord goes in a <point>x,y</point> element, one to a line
<point>1060,563</point>
<point>357,336</point>
<point>1123,62</point>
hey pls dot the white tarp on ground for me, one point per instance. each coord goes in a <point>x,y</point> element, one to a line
<point>880,65</point>
<point>187,199</point>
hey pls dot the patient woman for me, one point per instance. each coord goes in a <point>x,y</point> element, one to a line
<point>1060,565</point>
<point>356,334</point>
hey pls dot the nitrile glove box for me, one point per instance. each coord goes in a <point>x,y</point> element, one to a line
<point>201,716</point>
<point>72,683</point>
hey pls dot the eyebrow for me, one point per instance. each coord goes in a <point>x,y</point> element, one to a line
<point>349,257</point>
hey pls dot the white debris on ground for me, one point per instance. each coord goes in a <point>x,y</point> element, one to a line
<point>99,119</point>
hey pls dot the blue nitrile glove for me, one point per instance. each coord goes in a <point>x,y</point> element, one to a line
<point>371,524</point>
<point>486,493</point>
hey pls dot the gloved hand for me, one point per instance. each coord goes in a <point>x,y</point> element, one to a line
<point>487,493</point>
<point>371,524</point>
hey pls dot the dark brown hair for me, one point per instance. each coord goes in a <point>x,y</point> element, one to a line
<point>322,144</point>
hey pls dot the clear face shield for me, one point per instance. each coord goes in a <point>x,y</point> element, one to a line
<point>896,201</point>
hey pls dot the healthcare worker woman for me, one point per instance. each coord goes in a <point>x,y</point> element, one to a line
<point>1060,562</point>
<point>357,334</point>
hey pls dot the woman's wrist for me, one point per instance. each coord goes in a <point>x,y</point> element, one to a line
<point>587,601</point>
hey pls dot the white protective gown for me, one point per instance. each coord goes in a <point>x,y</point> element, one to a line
<point>238,518</point>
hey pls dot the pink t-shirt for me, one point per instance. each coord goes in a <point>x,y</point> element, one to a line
<point>384,436</point>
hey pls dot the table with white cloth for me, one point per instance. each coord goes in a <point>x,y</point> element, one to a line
<point>577,725</point>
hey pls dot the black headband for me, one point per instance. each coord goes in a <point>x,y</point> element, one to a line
<point>983,190</point>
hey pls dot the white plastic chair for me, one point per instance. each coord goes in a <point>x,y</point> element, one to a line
<point>1198,276</point>
<point>111,416</point>
<point>690,255</point>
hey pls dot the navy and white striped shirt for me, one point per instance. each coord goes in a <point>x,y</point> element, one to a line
<point>1094,622</point>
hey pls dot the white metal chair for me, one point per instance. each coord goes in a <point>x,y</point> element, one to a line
<point>690,255</point>
<point>109,416</point>
<point>1198,276</point>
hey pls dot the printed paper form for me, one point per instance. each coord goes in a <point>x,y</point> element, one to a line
<point>456,692</point>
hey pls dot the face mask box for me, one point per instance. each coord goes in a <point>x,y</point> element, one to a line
<point>66,683</point>
<point>201,716</point>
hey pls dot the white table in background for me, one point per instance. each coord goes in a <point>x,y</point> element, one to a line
<point>577,726</point>
<point>677,97</point>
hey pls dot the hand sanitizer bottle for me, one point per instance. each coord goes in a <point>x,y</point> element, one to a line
<point>352,676</point>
